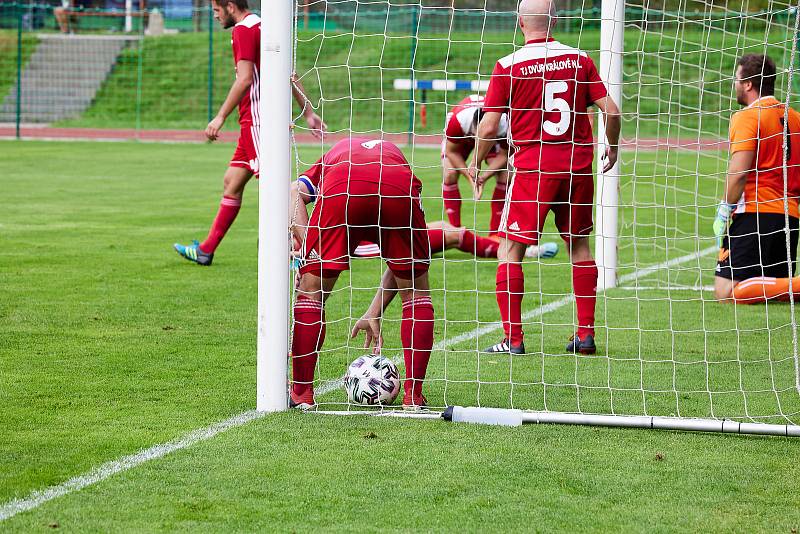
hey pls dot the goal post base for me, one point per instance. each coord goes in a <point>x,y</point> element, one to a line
<point>511,417</point>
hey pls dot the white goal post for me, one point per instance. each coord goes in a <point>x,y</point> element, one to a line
<point>670,356</point>
<point>273,204</point>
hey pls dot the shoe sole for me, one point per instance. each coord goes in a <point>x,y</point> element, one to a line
<point>194,261</point>
<point>513,353</point>
<point>303,406</point>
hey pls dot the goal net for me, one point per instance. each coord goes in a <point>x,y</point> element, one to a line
<point>393,70</point>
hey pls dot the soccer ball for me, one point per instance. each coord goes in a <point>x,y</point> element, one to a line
<point>372,380</point>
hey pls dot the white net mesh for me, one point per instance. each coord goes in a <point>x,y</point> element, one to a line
<point>393,70</point>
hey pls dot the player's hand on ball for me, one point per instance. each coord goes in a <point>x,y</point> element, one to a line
<point>213,128</point>
<point>316,124</point>
<point>610,158</point>
<point>372,328</point>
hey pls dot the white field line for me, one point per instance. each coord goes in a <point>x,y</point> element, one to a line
<point>102,472</point>
<point>488,328</point>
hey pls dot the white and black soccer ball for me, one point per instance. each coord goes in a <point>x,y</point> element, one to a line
<point>372,380</point>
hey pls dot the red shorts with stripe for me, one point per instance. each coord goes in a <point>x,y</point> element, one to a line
<point>246,154</point>
<point>341,221</point>
<point>531,194</point>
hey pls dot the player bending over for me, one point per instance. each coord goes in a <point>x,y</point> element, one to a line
<point>753,264</point>
<point>246,40</point>
<point>443,236</point>
<point>459,141</point>
<point>546,88</point>
<point>368,193</point>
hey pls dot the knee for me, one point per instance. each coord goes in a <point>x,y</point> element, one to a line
<point>579,249</point>
<point>723,290</point>
<point>450,177</point>
<point>233,186</point>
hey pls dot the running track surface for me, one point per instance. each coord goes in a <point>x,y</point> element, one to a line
<point>197,136</point>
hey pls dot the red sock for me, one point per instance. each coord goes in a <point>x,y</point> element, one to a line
<point>498,200</point>
<point>482,247</point>
<point>416,334</point>
<point>510,289</point>
<point>584,284</point>
<point>228,210</point>
<point>309,333</point>
<point>452,203</point>
<point>436,239</point>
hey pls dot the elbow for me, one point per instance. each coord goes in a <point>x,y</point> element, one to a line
<point>613,112</point>
<point>488,131</point>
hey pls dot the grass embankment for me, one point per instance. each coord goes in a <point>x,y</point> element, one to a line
<point>677,81</point>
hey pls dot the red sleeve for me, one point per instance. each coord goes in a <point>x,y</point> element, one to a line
<point>245,44</point>
<point>498,95</point>
<point>453,131</point>
<point>312,177</point>
<point>595,87</point>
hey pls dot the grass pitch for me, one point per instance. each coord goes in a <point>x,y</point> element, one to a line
<point>110,343</point>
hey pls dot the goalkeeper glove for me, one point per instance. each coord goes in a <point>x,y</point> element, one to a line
<point>721,221</point>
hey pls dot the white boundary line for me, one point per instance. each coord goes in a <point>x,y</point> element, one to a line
<point>102,472</point>
<point>39,497</point>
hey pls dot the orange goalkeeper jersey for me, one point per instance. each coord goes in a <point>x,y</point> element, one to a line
<point>759,128</point>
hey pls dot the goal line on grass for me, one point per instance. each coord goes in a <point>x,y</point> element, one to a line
<point>106,470</point>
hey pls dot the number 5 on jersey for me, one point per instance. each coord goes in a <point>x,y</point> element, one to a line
<point>556,105</point>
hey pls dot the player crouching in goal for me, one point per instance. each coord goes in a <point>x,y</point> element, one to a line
<point>368,194</point>
<point>460,127</point>
<point>753,264</point>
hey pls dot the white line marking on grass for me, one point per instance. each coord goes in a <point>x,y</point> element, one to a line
<point>39,497</point>
<point>102,472</point>
<point>332,385</point>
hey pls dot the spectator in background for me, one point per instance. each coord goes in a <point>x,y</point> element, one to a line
<point>64,12</point>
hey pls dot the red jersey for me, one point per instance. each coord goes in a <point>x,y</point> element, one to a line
<point>459,122</point>
<point>363,166</point>
<point>246,41</point>
<point>546,88</point>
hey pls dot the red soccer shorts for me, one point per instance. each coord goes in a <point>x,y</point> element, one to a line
<point>340,222</point>
<point>246,154</point>
<point>531,195</point>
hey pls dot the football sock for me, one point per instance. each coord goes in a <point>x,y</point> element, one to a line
<point>308,335</point>
<point>228,210</point>
<point>436,239</point>
<point>452,203</point>
<point>584,284</point>
<point>763,288</point>
<point>416,334</point>
<point>482,247</point>
<point>498,200</point>
<point>509,289</point>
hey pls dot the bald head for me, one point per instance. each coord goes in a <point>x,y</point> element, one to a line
<point>536,17</point>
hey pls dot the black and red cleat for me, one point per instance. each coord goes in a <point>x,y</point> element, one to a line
<point>302,402</point>
<point>582,346</point>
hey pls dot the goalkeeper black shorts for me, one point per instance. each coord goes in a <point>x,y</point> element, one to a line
<point>756,246</point>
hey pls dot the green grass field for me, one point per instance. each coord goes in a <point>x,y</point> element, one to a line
<point>110,343</point>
